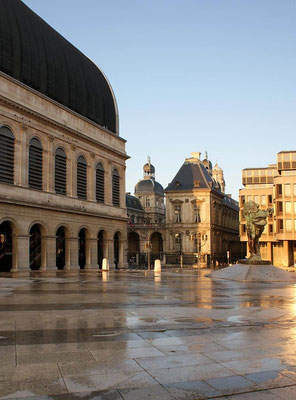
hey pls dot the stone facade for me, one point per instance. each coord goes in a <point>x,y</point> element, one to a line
<point>62,161</point>
<point>29,115</point>
<point>274,186</point>
<point>199,224</point>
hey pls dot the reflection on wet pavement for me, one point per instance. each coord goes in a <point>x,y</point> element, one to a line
<point>134,335</point>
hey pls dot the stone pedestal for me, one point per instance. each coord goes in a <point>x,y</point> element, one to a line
<point>157,266</point>
<point>253,273</point>
<point>105,264</point>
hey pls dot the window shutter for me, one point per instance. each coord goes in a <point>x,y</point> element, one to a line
<point>35,164</point>
<point>115,188</point>
<point>60,172</point>
<point>100,184</point>
<point>81,178</point>
<point>6,155</point>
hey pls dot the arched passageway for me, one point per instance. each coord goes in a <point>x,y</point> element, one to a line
<point>35,247</point>
<point>116,249</point>
<point>60,248</point>
<point>5,247</point>
<point>156,246</point>
<point>133,248</point>
<point>101,247</point>
<point>82,248</point>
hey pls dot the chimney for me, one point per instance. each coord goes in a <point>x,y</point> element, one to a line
<point>196,155</point>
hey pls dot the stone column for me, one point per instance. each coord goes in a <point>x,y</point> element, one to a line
<point>91,179</point>
<point>73,242</point>
<point>24,149</point>
<point>108,183</point>
<point>22,252</point>
<point>269,251</point>
<point>110,255</point>
<point>50,170</point>
<point>73,183</point>
<point>92,262</point>
<point>51,252</point>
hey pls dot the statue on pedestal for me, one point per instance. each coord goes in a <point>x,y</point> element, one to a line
<point>255,223</point>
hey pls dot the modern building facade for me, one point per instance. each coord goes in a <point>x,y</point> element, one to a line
<point>274,186</point>
<point>62,165</point>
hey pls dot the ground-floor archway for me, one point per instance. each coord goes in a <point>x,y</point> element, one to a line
<point>82,248</point>
<point>116,241</point>
<point>133,248</point>
<point>61,248</point>
<point>156,243</point>
<point>35,247</point>
<point>5,247</point>
<point>101,247</point>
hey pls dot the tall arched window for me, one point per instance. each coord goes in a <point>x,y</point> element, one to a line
<point>81,178</point>
<point>100,183</point>
<point>60,175</point>
<point>115,188</point>
<point>6,155</point>
<point>35,164</point>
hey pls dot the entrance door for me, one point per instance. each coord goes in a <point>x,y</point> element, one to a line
<point>60,248</point>
<point>5,247</point>
<point>116,249</point>
<point>81,246</point>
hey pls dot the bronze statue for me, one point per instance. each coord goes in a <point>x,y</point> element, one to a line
<point>255,223</point>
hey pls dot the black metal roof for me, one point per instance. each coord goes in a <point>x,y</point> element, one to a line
<point>133,203</point>
<point>191,176</point>
<point>149,186</point>
<point>32,52</point>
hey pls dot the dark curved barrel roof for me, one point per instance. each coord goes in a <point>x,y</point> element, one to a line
<point>32,52</point>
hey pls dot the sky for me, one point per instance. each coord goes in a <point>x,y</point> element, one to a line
<point>191,75</point>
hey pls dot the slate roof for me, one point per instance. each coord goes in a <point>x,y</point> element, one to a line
<point>149,186</point>
<point>133,203</point>
<point>32,52</point>
<point>192,175</point>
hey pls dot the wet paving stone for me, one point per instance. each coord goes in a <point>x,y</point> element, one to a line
<point>128,336</point>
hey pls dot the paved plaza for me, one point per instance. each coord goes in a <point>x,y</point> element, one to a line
<point>135,336</point>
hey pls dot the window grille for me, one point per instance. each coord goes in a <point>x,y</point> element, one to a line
<point>100,183</point>
<point>81,178</point>
<point>6,155</point>
<point>115,188</point>
<point>35,164</point>
<point>60,171</point>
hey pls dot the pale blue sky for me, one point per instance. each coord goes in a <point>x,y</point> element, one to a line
<point>191,75</point>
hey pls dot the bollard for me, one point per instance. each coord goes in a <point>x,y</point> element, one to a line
<point>157,266</point>
<point>105,264</point>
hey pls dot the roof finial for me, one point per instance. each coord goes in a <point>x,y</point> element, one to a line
<point>149,159</point>
<point>206,155</point>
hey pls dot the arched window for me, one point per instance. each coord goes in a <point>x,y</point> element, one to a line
<point>115,188</point>
<point>81,178</point>
<point>100,183</point>
<point>6,155</point>
<point>35,164</point>
<point>60,172</point>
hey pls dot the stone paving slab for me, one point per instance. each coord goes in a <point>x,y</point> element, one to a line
<point>182,336</point>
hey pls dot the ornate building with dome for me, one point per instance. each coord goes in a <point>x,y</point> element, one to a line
<point>62,166</point>
<point>146,219</point>
<point>198,225</point>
